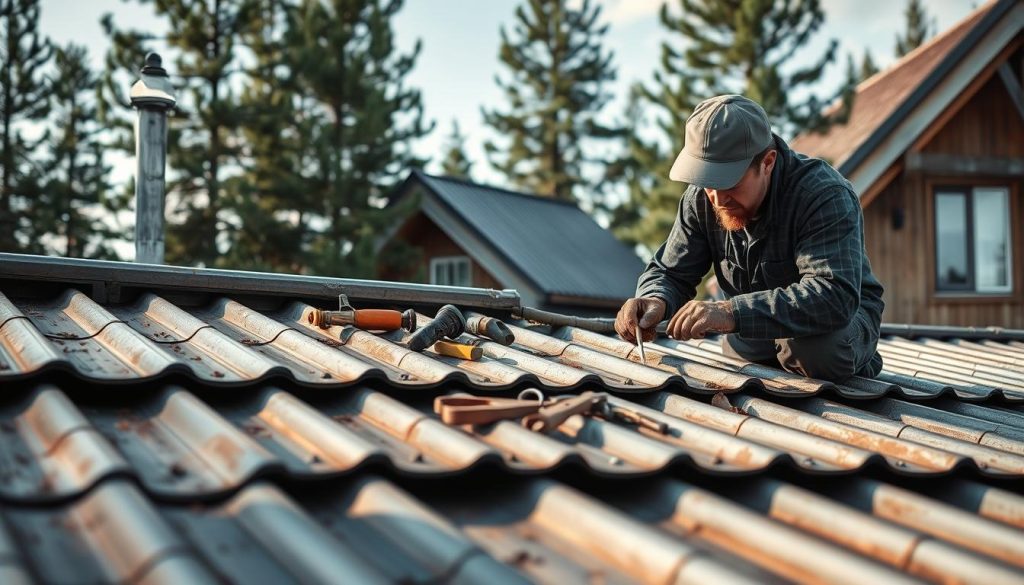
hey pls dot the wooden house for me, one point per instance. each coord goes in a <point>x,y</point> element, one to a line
<point>935,147</point>
<point>554,254</point>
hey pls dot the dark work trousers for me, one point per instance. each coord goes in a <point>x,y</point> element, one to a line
<point>833,356</point>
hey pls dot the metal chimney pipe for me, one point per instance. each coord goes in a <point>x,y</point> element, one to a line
<point>152,96</point>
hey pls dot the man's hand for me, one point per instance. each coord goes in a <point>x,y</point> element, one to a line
<point>647,311</point>
<point>697,318</point>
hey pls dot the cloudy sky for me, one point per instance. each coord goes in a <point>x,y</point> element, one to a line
<point>460,38</point>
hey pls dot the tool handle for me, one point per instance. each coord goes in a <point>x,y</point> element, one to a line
<point>471,410</point>
<point>459,350</point>
<point>378,319</point>
<point>551,416</point>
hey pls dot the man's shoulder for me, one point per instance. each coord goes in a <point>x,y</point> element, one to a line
<point>816,176</point>
<point>693,199</point>
<point>812,181</point>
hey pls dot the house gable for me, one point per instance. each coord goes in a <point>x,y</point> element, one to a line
<point>987,126</point>
<point>980,144</point>
<point>420,231</point>
<point>551,251</point>
<point>917,118</point>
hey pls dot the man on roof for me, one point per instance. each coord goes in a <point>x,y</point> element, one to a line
<point>784,234</point>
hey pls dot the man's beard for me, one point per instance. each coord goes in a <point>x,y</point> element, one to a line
<point>733,219</point>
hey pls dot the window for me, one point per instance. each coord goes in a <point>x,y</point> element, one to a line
<point>972,240</point>
<point>451,270</point>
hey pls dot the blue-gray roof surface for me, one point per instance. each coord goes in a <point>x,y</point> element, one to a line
<point>149,435</point>
<point>554,243</point>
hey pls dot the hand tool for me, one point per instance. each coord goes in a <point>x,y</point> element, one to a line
<point>463,351</point>
<point>538,415</point>
<point>640,344</point>
<point>448,322</point>
<point>611,411</point>
<point>550,416</point>
<point>491,328</point>
<point>474,410</point>
<point>370,319</point>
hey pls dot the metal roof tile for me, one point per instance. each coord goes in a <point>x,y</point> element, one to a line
<point>266,473</point>
<point>226,343</point>
<point>113,534</point>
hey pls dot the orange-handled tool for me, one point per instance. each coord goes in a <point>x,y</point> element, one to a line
<point>369,319</point>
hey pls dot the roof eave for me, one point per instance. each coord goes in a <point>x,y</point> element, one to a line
<point>850,164</point>
<point>107,280</point>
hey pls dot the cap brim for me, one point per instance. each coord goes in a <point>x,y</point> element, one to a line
<point>718,175</point>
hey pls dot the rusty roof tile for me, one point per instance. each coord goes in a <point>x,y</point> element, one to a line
<point>226,343</point>
<point>158,441</point>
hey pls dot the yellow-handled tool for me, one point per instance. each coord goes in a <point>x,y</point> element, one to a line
<point>462,351</point>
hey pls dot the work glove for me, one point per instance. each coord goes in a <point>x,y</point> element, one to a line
<point>648,311</point>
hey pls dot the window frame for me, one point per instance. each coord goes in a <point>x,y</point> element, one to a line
<point>935,185</point>
<point>452,262</point>
<point>967,193</point>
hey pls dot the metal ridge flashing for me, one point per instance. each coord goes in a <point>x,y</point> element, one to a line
<point>912,331</point>
<point>107,277</point>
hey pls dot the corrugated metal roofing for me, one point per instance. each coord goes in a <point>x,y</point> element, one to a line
<point>553,242</point>
<point>227,343</point>
<point>127,458</point>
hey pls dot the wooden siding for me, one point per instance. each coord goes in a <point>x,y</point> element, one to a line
<point>424,234</point>
<point>988,125</point>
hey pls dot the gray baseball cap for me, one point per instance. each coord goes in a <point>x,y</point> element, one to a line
<point>723,134</point>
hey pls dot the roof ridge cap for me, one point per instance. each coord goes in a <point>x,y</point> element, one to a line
<point>928,44</point>
<point>506,191</point>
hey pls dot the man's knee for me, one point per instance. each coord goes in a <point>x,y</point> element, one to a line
<point>826,357</point>
<point>752,350</point>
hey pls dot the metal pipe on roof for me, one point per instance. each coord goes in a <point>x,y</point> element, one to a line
<point>107,276</point>
<point>912,331</point>
<point>152,95</point>
<point>597,325</point>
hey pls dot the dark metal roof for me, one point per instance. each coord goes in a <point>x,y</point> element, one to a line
<point>223,454</point>
<point>226,343</point>
<point>553,243</point>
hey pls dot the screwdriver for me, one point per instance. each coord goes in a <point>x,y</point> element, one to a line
<point>640,344</point>
<point>369,319</point>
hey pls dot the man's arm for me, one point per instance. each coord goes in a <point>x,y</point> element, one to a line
<point>829,254</point>
<point>682,261</point>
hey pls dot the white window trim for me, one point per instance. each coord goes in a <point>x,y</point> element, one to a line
<point>451,261</point>
<point>1008,287</point>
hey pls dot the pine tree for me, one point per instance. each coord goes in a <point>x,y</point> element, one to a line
<point>71,208</point>
<point>738,46</point>
<point>456,163</point>
<point>359,118</point>
<point>556,87</point>
<point>202,134</point>
<point>868,68</point>
<point>718,47</point>
<point>24,98</point>
<point>643,171</point>
<point>270,204</point>
<point>919,28</point>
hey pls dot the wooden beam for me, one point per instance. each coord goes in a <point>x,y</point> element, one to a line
<point>879,185</point>
<point>1013,86</point>
<point>958,165</point>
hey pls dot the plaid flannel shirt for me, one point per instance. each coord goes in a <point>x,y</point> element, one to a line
<point>799,269</point>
